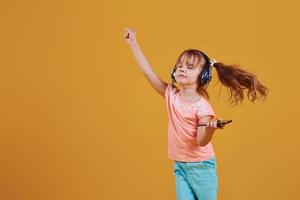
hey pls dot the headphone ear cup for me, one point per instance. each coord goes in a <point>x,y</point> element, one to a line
<point>205,76</point>
<point>200,78</point>
<point>173,74</point>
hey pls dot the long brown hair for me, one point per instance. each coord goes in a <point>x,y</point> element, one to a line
<point>231,76</point>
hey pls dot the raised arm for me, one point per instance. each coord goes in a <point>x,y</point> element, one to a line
<point>146,68</point>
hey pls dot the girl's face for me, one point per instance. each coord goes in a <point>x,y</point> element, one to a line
<point>187,72</point>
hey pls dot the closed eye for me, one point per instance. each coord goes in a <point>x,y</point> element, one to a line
<point>189,67</point>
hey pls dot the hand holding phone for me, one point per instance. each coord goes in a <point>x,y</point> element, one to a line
<point>220,123</point>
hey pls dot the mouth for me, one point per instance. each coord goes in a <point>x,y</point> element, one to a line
<point>181,76</point>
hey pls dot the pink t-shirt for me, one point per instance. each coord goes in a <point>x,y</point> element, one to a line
<point>182,127</point>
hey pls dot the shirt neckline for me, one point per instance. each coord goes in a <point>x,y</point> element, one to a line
<point>188,102</point>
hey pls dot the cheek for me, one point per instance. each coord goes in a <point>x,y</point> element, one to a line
<point>195,74</point>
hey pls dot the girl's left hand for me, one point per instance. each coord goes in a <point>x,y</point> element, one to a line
<point>213,125</point>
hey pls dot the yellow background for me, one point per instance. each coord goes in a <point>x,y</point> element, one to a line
<point>80,121</point>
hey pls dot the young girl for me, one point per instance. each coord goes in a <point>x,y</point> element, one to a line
<point>189,144</point>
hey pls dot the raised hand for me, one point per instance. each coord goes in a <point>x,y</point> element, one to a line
<point>130,35</point>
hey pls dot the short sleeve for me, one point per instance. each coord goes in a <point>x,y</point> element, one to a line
<point>169,90</point>
<point>205,109</point>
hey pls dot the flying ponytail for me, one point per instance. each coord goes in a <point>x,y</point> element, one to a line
<point>238,80</point>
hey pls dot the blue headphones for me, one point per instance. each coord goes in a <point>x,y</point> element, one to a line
<point>205,75</point>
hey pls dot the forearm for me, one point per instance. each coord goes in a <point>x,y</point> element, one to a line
<point>142,61</point>
<point>204,138</point>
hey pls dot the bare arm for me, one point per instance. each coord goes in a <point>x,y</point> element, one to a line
<point>203,136</point>
<point>205,133</point>
<point>144,65</point>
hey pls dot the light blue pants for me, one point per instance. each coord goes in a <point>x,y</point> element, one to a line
<point>196,180</point>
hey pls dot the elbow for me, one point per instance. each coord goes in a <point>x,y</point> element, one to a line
<point>202,144</point>
<point>204,138</point>
<point>201,139</point>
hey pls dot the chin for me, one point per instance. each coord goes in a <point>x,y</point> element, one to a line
<point>186,83</point>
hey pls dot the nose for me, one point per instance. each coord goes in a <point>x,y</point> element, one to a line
<point>181,70</point>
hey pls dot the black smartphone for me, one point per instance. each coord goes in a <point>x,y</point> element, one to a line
<point>219,123</point>
<point>223,122</point>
